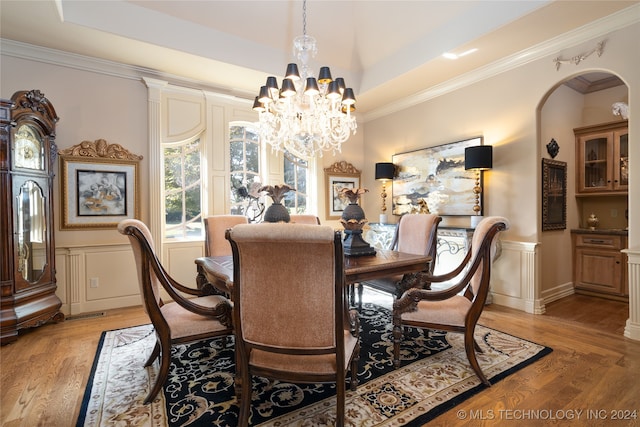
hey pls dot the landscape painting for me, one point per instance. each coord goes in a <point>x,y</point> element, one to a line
<point>435,177</point>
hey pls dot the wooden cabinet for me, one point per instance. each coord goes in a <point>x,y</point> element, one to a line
<point>599,266</point>
<point>602,159</point>
<point>27,265</point>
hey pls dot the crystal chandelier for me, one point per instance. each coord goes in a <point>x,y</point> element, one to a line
<point>306,116</point>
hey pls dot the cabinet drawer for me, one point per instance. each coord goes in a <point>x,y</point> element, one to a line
<point>599,241</point>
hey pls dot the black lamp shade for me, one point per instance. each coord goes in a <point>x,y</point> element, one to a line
<point>479,157</point>
<point>385,170</point>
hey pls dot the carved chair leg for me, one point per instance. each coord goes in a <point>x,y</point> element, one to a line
<point>353,385</point>
<point>469,346</point>
<point>340,399</point>
<point>154,355</point>
<point>397,339</point>
<point>163,373</point>
<point>360,289</point>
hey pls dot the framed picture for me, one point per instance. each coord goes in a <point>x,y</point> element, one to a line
<point>435,176</point>
<point>554,195</point>
<point>98,193</point>
<point>339,175</point>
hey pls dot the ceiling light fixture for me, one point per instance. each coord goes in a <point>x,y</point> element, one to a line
<point>306,116</point>
<point>451,55</point>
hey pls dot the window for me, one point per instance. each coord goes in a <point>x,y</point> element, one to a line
<point>296,171</point>
<point>183,189</point>
<point>246,161</point>
<point>245,167</point>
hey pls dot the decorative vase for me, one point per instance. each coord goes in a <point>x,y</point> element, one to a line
<point>276,212</point>
<point>353,220</point>
<point>593,221</point>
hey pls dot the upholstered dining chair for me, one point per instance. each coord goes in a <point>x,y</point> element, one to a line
<point>415,234</point>
<point>458,308</point>
<point>291,315</point>
<point>215,244</point>
<point>304,219</point>
<point>215,226</point>
<point>184,319</point>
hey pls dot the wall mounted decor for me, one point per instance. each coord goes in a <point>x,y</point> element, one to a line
<point>339,175</point>
<point>99,185</point>
<point>435,175</point>
<point>553,148</point>
<point>554,195</point>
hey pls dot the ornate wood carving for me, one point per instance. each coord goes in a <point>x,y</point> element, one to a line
<point>342,167</point>
<point>100,148</point>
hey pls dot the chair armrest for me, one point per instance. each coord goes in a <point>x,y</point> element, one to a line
<point>452,274</point>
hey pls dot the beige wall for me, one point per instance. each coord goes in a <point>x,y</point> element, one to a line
<point>517,112</point>
<point>90,106</point>
<point>506,109</point>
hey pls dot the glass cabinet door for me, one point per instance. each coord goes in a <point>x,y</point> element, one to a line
<point>621,173</point>
<point>595,164</point>
<point>31,233</point>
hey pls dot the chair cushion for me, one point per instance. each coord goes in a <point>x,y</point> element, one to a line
<point>184,323</point>
<point>312,364</point>
<point>451,311</point>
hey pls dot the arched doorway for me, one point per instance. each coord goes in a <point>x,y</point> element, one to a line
<point>583,100</point>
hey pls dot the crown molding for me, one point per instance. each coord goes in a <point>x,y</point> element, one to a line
<point>62,58</point>
<point>595,29</point>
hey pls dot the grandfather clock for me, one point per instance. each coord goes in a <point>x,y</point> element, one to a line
<point>27,261</point>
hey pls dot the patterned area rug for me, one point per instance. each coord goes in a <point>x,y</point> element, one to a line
<point>435,376</point>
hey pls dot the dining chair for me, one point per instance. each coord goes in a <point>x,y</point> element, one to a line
<point>415,234</point>
<point>304,219</point>
<point>457,308</point>
<point>186,319</point>
<point>215,245</point>
<point>215,226</point>
<point>290,310</point>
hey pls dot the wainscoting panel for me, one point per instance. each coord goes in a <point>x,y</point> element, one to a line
<point>514,276</point>
<point>96,278</point>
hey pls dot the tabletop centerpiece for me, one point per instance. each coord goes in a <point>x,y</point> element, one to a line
<point>353,220</point>
<point>276,212</point>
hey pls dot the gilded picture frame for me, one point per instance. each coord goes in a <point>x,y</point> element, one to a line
<point>339,175</point>
<point>98,192</point>
<point>554,195</point>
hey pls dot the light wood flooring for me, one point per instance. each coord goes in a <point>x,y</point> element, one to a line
<point>592,375</point>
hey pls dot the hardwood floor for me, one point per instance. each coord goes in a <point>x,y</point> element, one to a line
<point>591,376</point>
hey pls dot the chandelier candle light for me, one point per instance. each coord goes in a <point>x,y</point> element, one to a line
<point>478,159</point>
<point>306,116</point>
<point>384,173</point>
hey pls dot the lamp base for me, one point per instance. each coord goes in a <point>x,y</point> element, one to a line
<point>354,244</point>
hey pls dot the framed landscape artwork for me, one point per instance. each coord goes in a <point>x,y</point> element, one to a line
<point>435,176</point>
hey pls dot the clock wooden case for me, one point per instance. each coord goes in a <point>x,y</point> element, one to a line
<point>27,262</point>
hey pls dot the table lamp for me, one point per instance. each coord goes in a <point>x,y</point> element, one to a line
<point>478,159</point>
<point>384,172</point>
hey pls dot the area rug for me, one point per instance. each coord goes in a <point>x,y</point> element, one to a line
<point>434,377</point>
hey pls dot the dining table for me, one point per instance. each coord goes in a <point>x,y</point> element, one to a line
<point>215,273</point>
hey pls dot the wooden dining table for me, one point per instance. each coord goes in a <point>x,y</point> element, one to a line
<point>215,274</point>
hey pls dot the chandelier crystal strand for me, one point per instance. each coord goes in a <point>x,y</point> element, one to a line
<point>306,116</point>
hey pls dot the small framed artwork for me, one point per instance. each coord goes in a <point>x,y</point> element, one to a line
<point>338,176</point>
<point>554,195</point>
<point>98,192</point>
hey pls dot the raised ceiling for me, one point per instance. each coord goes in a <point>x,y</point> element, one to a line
<point>386,50</point>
